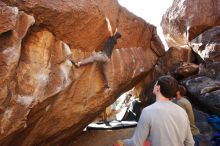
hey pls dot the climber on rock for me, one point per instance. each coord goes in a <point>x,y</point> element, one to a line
<point>105,54</point>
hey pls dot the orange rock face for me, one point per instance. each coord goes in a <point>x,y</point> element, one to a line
<point>44,99</point>
<point>9,22</point>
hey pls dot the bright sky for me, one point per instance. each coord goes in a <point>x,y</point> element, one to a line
<point>150,10</point>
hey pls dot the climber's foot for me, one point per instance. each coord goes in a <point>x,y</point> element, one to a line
<point>76,64</point>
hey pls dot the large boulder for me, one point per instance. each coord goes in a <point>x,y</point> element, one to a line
<point>78,23</point>
<point>8,17</point>
<point>173,58</point>
<point>46,99</point>
<point>204,92</point>
<point>186,69</point>
<point>169,63</point>
<point>186,19</point>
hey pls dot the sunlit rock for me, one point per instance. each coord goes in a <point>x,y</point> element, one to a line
<point>49,98</point>
<point>186,19</point>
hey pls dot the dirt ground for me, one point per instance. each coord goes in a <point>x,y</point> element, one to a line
<point>101,137</point>
<point>108,137</point>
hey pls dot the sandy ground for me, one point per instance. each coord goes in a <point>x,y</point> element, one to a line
<point>101,137</point>
<point>108,137</point>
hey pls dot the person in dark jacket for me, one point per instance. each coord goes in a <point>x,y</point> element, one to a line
<point>106,53</point>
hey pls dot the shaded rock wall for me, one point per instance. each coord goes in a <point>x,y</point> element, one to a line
<point>44,99</point>
<point>10,45</point>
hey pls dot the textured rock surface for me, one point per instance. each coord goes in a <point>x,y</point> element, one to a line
<point>205,92</point>
<point>194,24</point>
<point>173,57</point>
<point>207,46</point>
<point>166,64</point>
<point>186,69</point>
<point>44,98</point>
<point>186,19</point>
<point>8,17</point>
